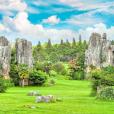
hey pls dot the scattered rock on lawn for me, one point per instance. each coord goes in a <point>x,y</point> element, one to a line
<point>46,99</point>
<point>34,93</point>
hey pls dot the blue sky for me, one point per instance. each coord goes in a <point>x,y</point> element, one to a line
<point>55,19</point>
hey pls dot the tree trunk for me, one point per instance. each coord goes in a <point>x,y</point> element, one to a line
<point>23,82</point>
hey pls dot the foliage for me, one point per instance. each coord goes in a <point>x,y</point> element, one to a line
<point>8,83</point>
<point>14,74</point>
<point>3,86</point>
<point>37,77</point>
<point>59,68</point>
<point>102,78</point>
<point>77,68</point>
<point>23,71</point>
<point>78,75</point>
<point>64,51</point>
<point>106,93</point>
<point>53,73</point>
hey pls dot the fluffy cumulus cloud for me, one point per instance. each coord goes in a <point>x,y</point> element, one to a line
<point>52,20</point>
<point>12,5</point>
<point>23,27</point>
<point>98,28</point>
<point>20,25</point>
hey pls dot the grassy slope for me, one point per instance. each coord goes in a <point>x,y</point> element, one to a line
<point>75,95</point>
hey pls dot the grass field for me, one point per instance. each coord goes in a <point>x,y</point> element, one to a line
<point>75,96</point>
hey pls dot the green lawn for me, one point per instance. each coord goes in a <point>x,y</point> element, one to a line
<point>75,95</point>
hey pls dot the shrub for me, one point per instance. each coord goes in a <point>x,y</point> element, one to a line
<point>43,66</point>
<point>102,78</point>
<point>9,83</point>
<point>3,86</point>
<point>14,74</point>
<point>39,66</point>
<point>60,68</point>
<point>106,93</point>
<point>53,73</point>
<point>50,82</point>
<point>37,77</point>
<point>78,75</point>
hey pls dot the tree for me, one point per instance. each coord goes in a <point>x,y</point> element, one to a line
<point>62,42</point>
<point>39,46</point>
<point>80,39</point>
<point>112,42</point>
<point>14,74</point>
<point>49,45</point>
<point>67,43</point>
<point>73,42</point>
<point>23,73</point>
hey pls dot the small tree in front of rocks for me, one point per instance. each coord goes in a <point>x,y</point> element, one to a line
<point>23,73</point>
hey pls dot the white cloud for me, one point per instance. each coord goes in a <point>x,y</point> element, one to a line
<point>84,20</point>
<point>39,3</point>
<point>2,28</point>
<point>91,4</point>
<point>98,28</point>
<point>52,20</point>
<point>7,6</point>
<point>20,26</point>
<point>84,5</point>
<point>17,5</point>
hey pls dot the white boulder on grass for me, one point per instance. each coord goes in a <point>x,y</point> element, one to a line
<point>46,99</point>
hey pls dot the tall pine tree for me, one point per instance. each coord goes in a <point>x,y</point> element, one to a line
<point>73,42</point>
<point>80,39</point>
<point>49,44</point>
<point>62,42</point>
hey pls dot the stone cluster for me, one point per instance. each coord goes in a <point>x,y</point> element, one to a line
<point>100,52</point>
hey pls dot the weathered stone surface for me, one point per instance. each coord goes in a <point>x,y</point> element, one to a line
<point>100,52</point>
<point>46,99</point>
<point>24,52</point>
<point>5,56</point>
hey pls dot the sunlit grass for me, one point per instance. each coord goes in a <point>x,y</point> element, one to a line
<point>75,97</point>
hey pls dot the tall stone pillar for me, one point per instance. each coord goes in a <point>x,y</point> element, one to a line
<point>5,57</point>
<point>24,52</point>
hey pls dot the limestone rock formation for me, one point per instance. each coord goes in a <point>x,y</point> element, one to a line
<point>24,52</point>
<point>5,56</point>
<point>100,52</point>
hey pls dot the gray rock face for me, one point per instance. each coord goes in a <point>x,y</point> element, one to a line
<point>46,99</point>
<point>5,57</point>
<point>100,52</point>
<point>24,52</point>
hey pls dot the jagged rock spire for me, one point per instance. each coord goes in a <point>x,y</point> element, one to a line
<point>98,53</point>
<point>5,57</point>
<point>24,52</point>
